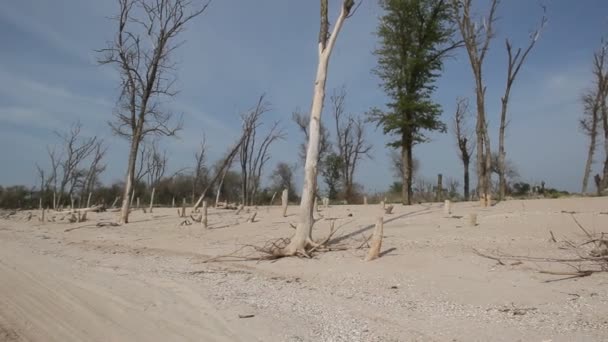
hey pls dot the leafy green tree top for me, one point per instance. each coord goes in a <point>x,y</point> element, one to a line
<point>414,37</point>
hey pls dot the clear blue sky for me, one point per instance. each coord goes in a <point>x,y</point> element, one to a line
<point>240,49</point>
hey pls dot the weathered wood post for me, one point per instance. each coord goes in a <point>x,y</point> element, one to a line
<point>251,217</point>
<point>284,198</point>
<point>152,199</point>
<point>204,215</point>
<point>439,195</point>
<point>89,200</point>
<point>364,200</point>
<point>183,213</point>
<point>376,244</point>
<point>173,203</point>
<point>138,203</point>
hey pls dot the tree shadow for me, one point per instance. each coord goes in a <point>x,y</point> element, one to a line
<point>371,226</point>
<point>387,251</point>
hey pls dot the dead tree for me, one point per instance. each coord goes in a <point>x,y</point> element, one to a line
<point>463,140</point>
<point>514,63</point>
<point>156,164</point>
<point>145,40</point>
<point>94,171</point>
<point>200,170</point>
<point>303,235</point>
<point>76,150</point>
<point>350,140</point>
<point>253,155</point>
<point>600,74</point>
<point>221,171</point>
<point>477,37</point>
<point>302,122</point>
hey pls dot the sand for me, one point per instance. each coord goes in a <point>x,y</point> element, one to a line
<point>146,281</point>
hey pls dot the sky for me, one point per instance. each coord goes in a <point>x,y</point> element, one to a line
<point>238,50</point>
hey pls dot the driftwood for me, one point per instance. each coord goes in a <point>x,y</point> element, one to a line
<point>376,244</point>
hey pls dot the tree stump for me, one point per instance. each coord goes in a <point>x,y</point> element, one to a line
<point>204,217</point>
<point>284,198</point>
<point>376,244</point>
<point>439,187</point>
<point>183,213</point>
<point>326,202</point>
<point>472,220</point>
<point>239,209</point>
<point>152,199</point>
<point>447,208</point>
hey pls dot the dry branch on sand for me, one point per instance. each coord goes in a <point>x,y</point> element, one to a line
<point>589,256</point>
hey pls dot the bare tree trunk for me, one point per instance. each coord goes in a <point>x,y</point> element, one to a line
<point>502,154</point>
<point>408,169</point>
<point>130,178</point>
<point>54,200</point>
<point>467,196</point>
<point>138,203</point>
<point>439,187</point>
<point>89,200</point>
<point>152,200</point>
<point>303,235</point>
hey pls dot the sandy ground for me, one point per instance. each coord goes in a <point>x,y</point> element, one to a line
<point>146,281</point>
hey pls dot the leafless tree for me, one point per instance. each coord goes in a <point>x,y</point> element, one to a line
<point>302,121</point>
<point>76,150</point>
<point>200,169</point>
<point>463,140</point>
<point>146,37</point>
<point>303,235</point>
<point>589,124</point>
<point>95,169</point>
<point>600,74</point>
<point>514,63</point>
<point>397,165</point>
<point>477,37</point>
<point>222,169</point>
<point>350,140</point>
<point>254,154</point>
<point>156,165</point>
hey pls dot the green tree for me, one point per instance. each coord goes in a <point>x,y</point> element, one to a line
<point>332,174</point>
<point>414,38</point>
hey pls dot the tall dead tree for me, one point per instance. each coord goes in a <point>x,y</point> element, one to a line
<point>303,235</point>
<point>477,37</point>
<point>463,141</point>
<point>595,111</point>
<point>514,63</point>
<point>254,154</point>
<point>147,35</point>
<point>600,73</point>
<point>350,140</point>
